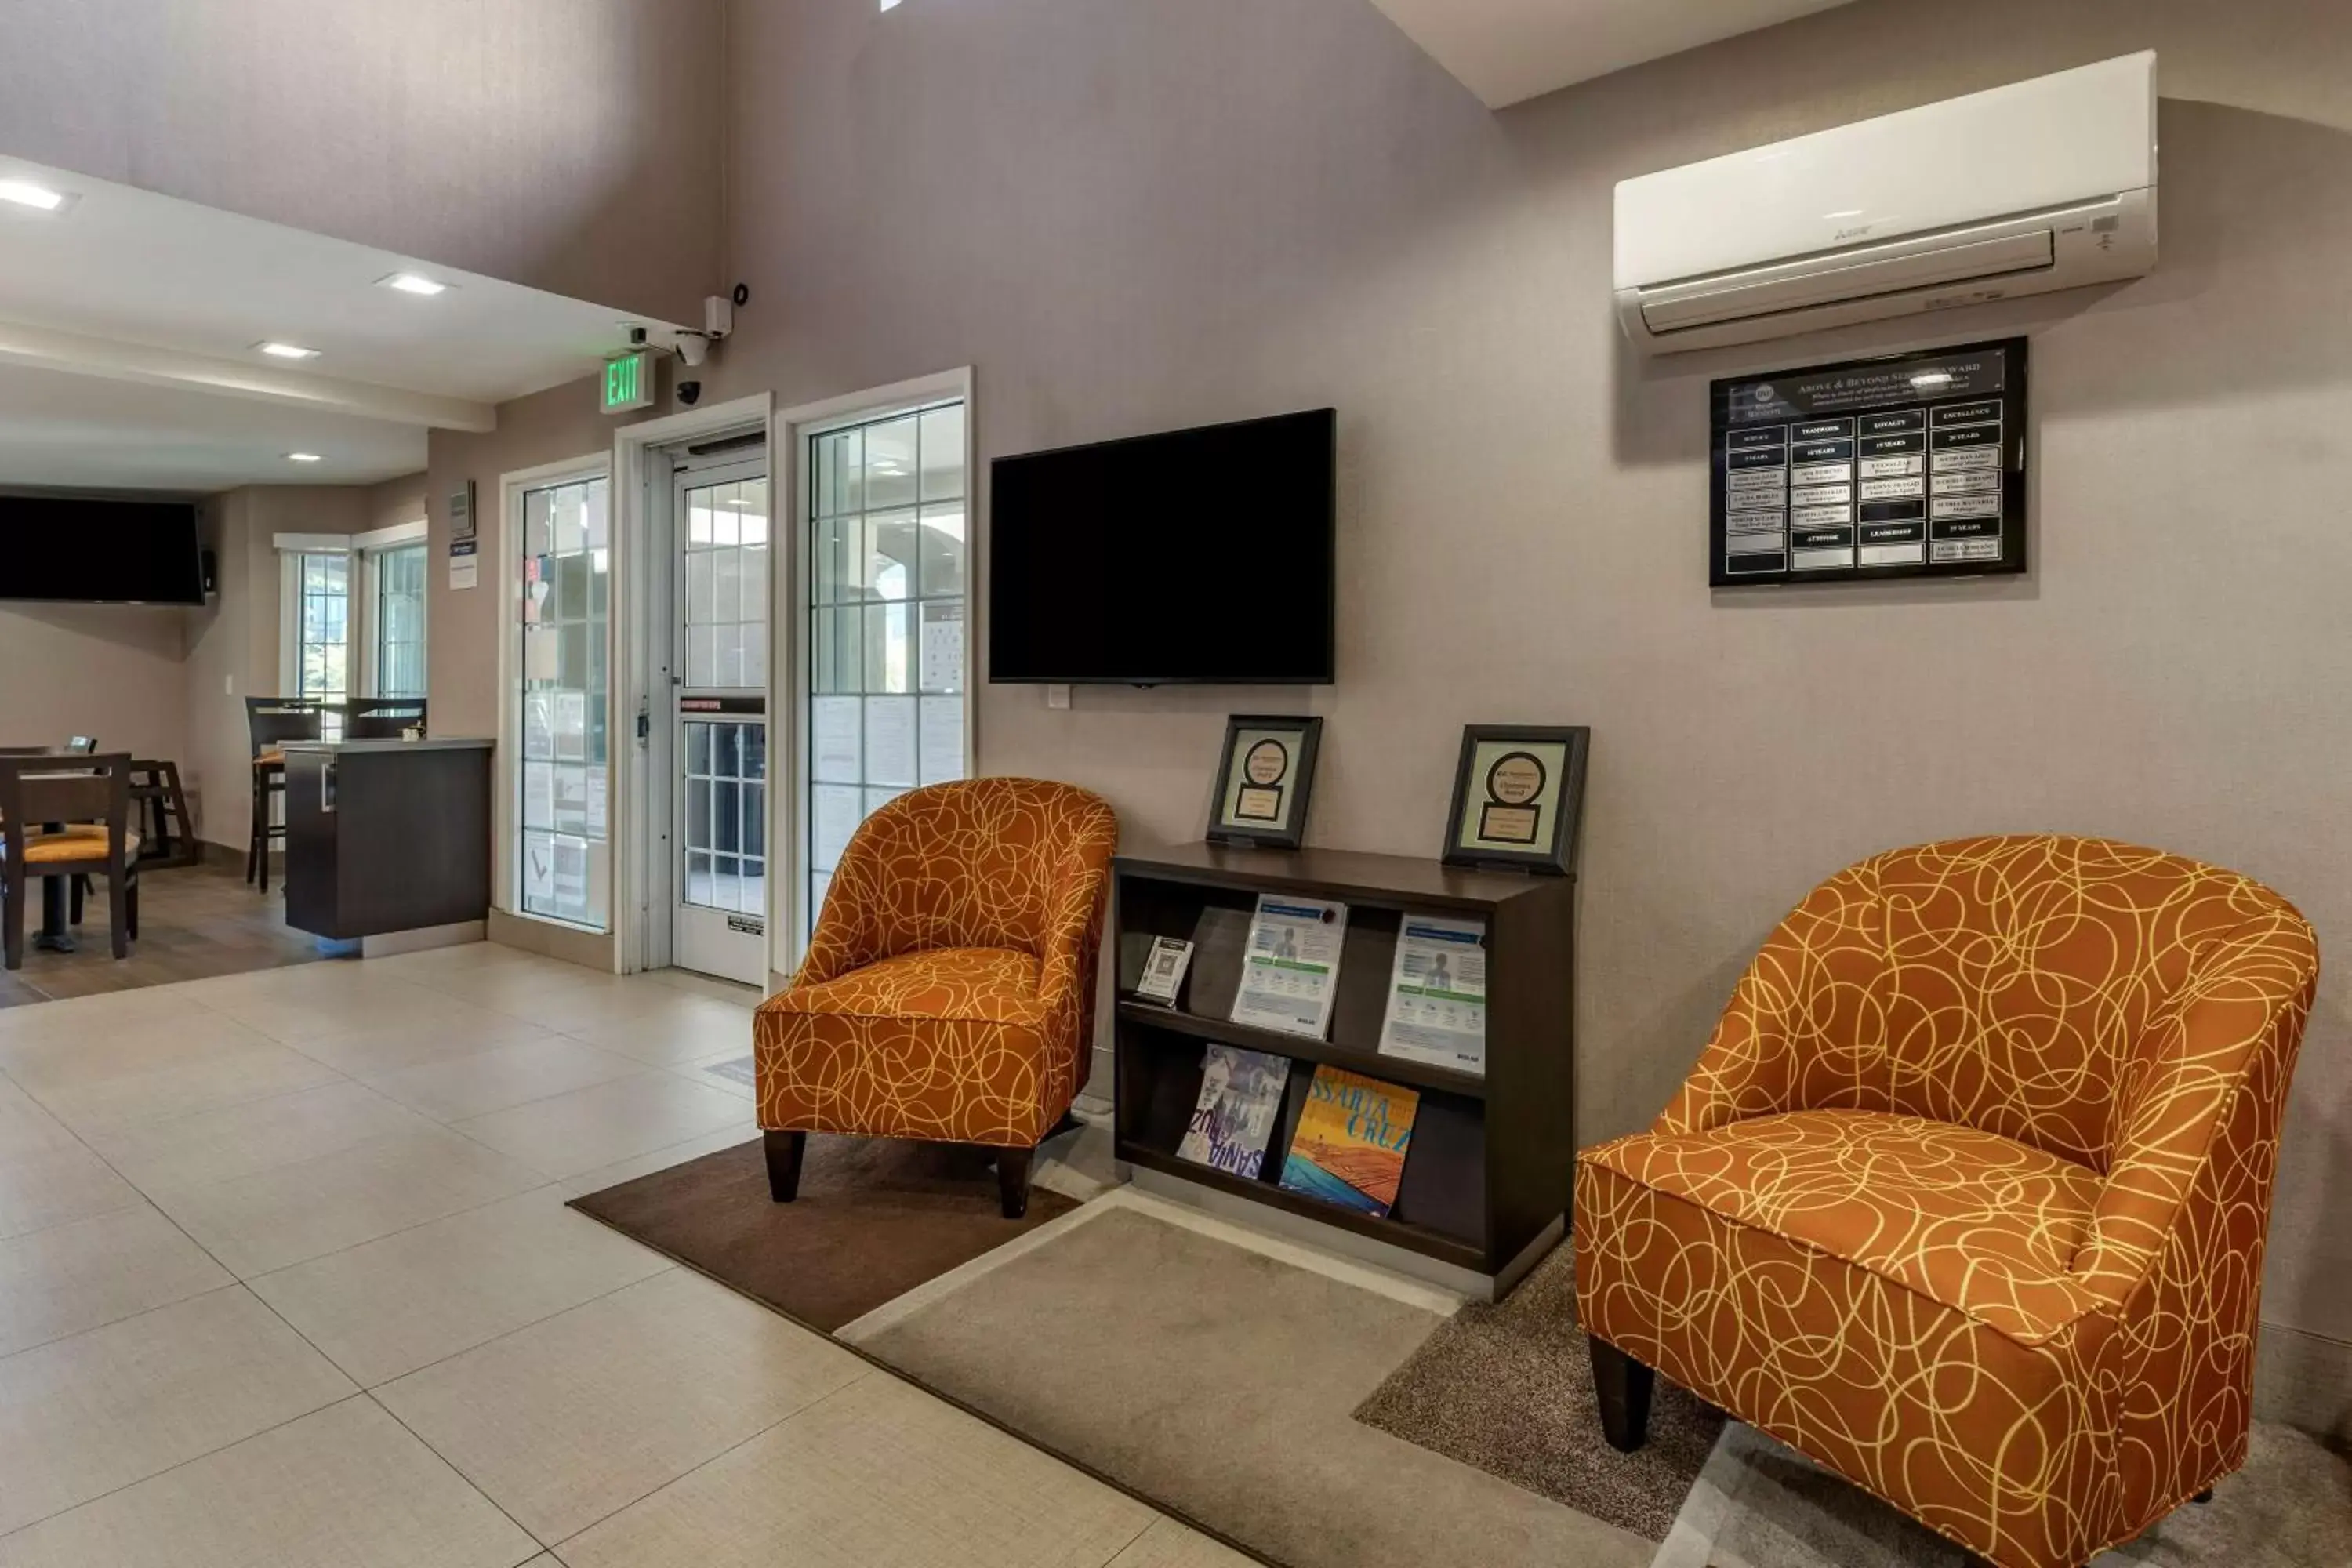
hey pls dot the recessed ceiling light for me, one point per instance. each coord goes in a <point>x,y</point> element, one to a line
<point>304,457</point>
<point>275,350</point>
<point>26,194</point>
<point>414,283</point>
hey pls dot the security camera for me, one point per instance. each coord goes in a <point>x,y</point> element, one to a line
<point>636,337</point>
<point>693,348</point>
<point>690,393</point>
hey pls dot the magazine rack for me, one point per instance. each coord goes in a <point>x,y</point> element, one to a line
<point>1487,1181</point>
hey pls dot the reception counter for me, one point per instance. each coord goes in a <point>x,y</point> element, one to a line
<point>388,842</point>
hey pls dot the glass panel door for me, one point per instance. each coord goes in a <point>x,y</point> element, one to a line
<point>888,566</point>
<point>565,864</point>
<point>719,515</point>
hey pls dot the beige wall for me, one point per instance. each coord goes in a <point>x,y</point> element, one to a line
<point>112,672</point>
<point>232,643</point>
<point>568,144</point>
<point>1163,212</point>
<point>394,503</point>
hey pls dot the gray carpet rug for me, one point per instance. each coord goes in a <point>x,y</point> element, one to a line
<point>1508,1388</point>
<point>1221,1384</point>
<point>1760,1504</point>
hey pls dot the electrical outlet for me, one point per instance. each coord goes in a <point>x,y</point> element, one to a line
<point>1058,697</point>
<point>229,686</point>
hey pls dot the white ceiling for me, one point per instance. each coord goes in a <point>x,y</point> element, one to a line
<point>1506,51</point>
<point>127,329</point>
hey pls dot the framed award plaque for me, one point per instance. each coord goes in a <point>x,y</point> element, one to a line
<point>1518,799</point>
<point>1263,780</point>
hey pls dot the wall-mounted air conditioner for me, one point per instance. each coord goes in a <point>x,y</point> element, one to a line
<point>2046,184</point>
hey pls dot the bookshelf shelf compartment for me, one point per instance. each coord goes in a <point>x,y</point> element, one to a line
<point>1487,1177</point>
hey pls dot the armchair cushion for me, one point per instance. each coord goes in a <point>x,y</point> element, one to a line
<point>1971,1221</point>
<point>974,985</point>
<point>71,845</point>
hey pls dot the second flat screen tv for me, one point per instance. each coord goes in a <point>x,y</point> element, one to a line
<point>1202,557</point>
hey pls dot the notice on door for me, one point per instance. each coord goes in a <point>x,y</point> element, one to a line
<point>1910,466</point>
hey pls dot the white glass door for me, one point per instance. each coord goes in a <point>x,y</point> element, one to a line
<point>720,719</point>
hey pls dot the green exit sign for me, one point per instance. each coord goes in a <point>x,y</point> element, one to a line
<point>629,382</point>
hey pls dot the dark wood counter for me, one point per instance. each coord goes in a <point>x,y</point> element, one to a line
<point>386,835</point>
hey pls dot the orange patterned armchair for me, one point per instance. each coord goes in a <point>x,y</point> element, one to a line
<point>1967,1197</point>
<point>950,984</point>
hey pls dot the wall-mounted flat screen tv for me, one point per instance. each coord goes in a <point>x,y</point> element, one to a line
<point>72,550</point>
<point>1202,557</point>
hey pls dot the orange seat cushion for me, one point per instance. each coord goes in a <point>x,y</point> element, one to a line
<point>82,842</point>
<point>987,984</point>
<point>1974,1221</point>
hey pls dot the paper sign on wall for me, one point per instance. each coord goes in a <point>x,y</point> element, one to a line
<point>464,562</point>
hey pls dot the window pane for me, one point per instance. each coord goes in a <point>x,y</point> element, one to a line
<point>561,623</point>
<point>942,551</point>
<point>889,646</point>
<point>890,560</point>
<point>943,453</point>
<point>890,464</point>
<point>942,646</point>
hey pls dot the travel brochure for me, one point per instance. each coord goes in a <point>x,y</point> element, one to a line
<point>1352,1142</point>
<point>1437,995</point>
<point>1290,972</point>
<point>1232,1120</point>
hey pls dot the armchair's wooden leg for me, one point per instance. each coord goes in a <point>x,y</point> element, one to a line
<point>1013,1181</point>
<point>2203,1497</point>
<point>131,905</point>
<point>785,1151</point>
<point>1623,1386</point>
<point>12,923</point>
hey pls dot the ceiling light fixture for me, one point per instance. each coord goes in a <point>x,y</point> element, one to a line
<point>414,283</point>
<point>26,194</point>
<point>304,457</point>
<point>275,350</point>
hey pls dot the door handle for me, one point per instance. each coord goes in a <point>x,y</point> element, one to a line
<point>327,787</point>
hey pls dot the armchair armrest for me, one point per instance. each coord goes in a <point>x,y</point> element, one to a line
<point>1066,946</point>
<point>2202,1113</point>
<point>1793,1030</point>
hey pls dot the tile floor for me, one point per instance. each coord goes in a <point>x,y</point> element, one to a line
<point>286,1277</point>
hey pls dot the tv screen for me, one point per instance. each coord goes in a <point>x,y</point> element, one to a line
<point>67,549</point>
<point>1204,556</point>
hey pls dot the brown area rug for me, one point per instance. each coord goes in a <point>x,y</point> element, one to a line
<point>1508,1389</point>
<point>875,1218</point>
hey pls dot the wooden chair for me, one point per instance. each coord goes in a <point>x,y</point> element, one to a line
<point>159,807</point>
<point>89,796</point>
<point>381,718</point>
<point>270,722</point>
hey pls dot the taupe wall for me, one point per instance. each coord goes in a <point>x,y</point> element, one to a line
<point>108,670</point>
<point>1138,216</point>
<point>570,144</point>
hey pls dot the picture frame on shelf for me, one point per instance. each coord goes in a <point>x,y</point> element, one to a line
<point>1518,797</point>
<point>1265,780</point>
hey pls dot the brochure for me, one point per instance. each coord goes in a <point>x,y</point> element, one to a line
<point>1353,1135</point>
<point>1290,973</point>
<point>1240,1096</point>
<point>1163,970</point>
<point>1437,995</point>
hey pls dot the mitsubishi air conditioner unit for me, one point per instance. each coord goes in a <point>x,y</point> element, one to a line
<point>2046,184</point>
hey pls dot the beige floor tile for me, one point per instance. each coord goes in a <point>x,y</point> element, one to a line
<point>568,1420</point>
<point>589,1127</point>
<point>26,1029</point>
<point>707,985</point>
<point>57,1187</point>
<point>152,1073</point>
<point>278,1218</point>
<point>24,1127</point>
<point>81,1417</point>
<point>70,1278</point>
<point>340,1001</point>
<point>880,1472</point>
<point>392,1306</point>
<point>636,1165</point>
<point>673,1028</point>
<point>389,1045</point>
<point>259,1135</point>
<point>1168,1545</point>
<point>559,997</point>
<point>741,1083</point>
<point>485,1082</point>
<point>344,1487</point>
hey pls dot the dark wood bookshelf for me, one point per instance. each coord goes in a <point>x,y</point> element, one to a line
<point>1488,1173</point>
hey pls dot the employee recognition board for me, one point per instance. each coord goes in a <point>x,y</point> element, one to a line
<point>1908,466</point>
